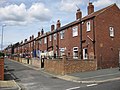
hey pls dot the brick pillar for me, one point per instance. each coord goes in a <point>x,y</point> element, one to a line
<point>64,58</point>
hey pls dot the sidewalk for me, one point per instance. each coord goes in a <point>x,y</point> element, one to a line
<point>98,76</point>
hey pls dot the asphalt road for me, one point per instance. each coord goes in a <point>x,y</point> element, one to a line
<point>30,79</point>
<point>114,85</point>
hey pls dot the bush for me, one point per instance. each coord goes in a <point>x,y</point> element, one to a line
<point>2,54</point>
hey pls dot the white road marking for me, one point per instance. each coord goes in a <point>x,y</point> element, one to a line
<point>73,88</point>
<point>90,85</point>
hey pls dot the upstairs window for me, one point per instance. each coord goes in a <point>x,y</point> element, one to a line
<point>50,38</point>
<point>111,29</point>
<point>75,31</point>
<point>62,34</point>
<point>88,26</point>
<point>45,40</point>
<point>55,36</point>
<point>40,41</point>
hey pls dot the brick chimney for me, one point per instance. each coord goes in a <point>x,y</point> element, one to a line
<point>52,27</point>
<point>38,34</point>
<point>42,31</point>
<point>25,40</point>
<point>58,24</point>
<point>78,14</point>
<point>90,8</point>
<point>32,36</point>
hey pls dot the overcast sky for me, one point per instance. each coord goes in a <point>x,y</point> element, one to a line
<point>24,18</point>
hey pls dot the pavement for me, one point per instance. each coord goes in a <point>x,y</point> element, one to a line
<point>98,76</point>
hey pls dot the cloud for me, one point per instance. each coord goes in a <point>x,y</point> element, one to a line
<point>71,5</point>
<point>19,14</point>
<point>104,3</point>
<point>39,12</point>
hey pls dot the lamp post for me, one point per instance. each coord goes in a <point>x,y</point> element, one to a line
<point>2,36</point>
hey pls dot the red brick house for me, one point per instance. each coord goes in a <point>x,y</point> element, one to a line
<point>95,36</point>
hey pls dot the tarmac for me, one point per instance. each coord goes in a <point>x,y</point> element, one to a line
<point>98,76</point>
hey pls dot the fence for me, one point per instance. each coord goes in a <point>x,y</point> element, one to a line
<point>69,65</point>
<point>1,68</point>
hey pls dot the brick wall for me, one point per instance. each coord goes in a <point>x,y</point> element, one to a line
<point>1,68</point>
<point>65,66</point>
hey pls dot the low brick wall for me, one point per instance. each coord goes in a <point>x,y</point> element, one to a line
<point>66,66</point>
<point>36,63</point>
<point>80,66</point>
<point>54,66</point>
<point>1,68</point>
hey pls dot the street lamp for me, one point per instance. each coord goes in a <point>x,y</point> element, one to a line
<point>2,36</point>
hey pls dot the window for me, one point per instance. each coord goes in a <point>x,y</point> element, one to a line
<point>88,26</point>
<point>54,36</point>
<point>62,34</point>
<point>75,52</point>
<point>62,50</point>
<point>45,40</point>
<point>111,29</point>
<point>50,37</point>
<point>75,31</point>
<point>40,41</point>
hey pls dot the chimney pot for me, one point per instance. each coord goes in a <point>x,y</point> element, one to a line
<point>58,24</point>
<point>90,8</point>
<point>38,34</point>
<point>52,27</point>
<point>42,31</point>
<point>78,14</point>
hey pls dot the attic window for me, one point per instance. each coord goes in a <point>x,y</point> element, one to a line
<point>111,30</point>
<point>88,26</point>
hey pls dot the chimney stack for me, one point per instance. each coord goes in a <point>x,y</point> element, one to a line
<point>38,34</point>
<point>32,36</point>
<point>42,31</point>
<point>25,40</point>
<point>58,24</point>
<point>78,14</point>
<point>90,8</point>
<point>52,27</point>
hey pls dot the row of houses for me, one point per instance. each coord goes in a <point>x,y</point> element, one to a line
<point>95,36</point>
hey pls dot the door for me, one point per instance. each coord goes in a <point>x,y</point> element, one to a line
<point>42,62</point>
<point>85,53</point>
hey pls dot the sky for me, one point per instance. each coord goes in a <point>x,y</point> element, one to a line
<point>24,18</point>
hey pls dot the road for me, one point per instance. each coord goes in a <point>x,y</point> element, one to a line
<point>31,79</point>
<point>114,85</point>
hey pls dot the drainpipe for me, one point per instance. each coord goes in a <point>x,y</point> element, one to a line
<point>81,56</point>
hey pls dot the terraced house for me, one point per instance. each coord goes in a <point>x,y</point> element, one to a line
<point>95,36</point>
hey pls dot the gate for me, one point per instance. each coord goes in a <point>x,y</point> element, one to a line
<point>42,62</point>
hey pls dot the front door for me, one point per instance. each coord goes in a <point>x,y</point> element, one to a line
<point>42,62</point>
<point>85,53</point>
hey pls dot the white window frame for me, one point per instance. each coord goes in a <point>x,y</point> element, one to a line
<point>62,34</point>
<point>75,31</point>
<point>50,38</point>
<point>88,26</point>
<point>75,49</point>
<point>111,30</point>
<point>55,36</point>
<point>45,40</point>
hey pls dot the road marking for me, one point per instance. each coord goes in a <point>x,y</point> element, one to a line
<point>90,85</point>
<point>73,88</point>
